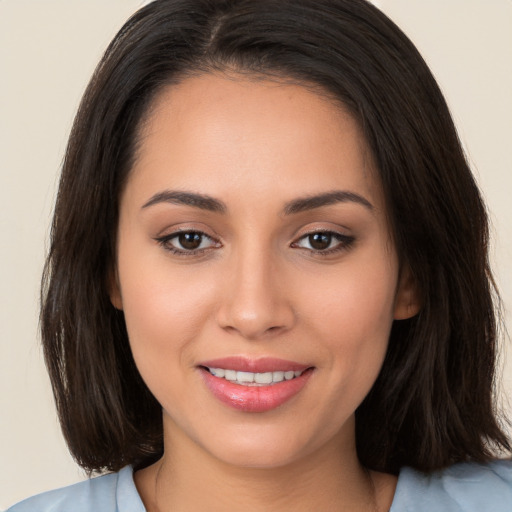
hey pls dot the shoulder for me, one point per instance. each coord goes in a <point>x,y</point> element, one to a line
<point>115,492</point>
<point>467,487</point>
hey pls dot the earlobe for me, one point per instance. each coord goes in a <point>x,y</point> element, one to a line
<point>114,290</point>
<point>407,300</point>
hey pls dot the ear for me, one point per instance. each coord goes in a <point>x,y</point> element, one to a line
<point>407,299</point>
<point>114,290</point>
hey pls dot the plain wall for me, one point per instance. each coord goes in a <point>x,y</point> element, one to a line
<point>48,50</point>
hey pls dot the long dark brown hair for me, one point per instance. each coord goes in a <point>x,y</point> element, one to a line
<point>432,404</point>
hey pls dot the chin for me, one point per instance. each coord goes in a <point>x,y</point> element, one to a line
<point>263,447</point>
<point>262,458</point>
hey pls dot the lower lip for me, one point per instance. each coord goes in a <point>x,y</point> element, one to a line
<point>254,398</point>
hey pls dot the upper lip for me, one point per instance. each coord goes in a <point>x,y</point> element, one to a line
<point>260,365</point>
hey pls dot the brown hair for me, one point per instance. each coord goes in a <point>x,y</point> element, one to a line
<point>432,404</point>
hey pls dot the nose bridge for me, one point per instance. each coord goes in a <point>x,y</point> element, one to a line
<point>255,303</point>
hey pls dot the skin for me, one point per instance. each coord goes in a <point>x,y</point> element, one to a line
<point>257,288</point>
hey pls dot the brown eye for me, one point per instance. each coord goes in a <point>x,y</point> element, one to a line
<point>190,241</point>
<point>187,242</point>
<point>324,242</point>
<point>320,241</point>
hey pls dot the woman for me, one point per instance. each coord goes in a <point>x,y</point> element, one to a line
<point>268,283</point>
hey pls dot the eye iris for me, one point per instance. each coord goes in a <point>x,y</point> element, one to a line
<point>190,240</point>
<point>320,241</point>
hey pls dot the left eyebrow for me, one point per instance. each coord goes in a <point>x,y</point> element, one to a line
<point>325,199</point>
<point>201,201</point>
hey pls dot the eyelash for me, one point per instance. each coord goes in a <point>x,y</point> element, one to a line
<point>165,242</point>
<point>345,243</point>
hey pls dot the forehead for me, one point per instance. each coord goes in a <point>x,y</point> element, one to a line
<point>214,130</point>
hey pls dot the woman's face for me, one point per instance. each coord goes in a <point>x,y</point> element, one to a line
<point>253,245</point>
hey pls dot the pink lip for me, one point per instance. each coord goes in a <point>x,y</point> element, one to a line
<point>254,398</point>
<point>262,365</point>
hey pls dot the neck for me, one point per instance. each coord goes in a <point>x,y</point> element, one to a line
<point>187,478</point>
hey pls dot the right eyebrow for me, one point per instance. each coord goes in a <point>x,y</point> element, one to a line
<point>325,199</point>
<point>200,201</point>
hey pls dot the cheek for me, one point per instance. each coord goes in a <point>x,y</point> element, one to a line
<point>358,296</point>
<point>350,316</point>
<point>164,310</point>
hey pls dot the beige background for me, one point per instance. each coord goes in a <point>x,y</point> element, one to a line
<point>48,50</point>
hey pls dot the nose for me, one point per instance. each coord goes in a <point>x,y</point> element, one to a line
<point>255,302</point>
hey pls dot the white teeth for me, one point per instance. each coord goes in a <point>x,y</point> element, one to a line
<point>263,378</point>
<point>245,377</point>
<point>230,374</point>
<point>254,379</point>
<point>277,376</point>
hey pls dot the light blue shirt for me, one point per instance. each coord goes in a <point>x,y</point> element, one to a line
<point>459,488</point>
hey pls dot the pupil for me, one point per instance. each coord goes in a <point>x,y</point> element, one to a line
<point>320,241</point>
<point>190,240</point>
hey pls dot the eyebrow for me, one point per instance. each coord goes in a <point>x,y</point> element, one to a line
<point>200,201</point>
<point>325,199</point>
<point>205,202</point>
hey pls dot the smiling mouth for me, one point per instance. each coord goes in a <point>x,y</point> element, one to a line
<point>253,379</point>
<point>255,385</point>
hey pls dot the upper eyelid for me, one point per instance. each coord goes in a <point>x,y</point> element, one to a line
<point>216,240</point>
<point>344,241</point>
<point>169,232</point>
<point>297,236</point>
<point>165,242</point>
<point>179,232</point>
<point>330,232</point>
<point>343,232</point>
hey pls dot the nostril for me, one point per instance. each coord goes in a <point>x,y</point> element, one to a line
<point>253,315</point>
